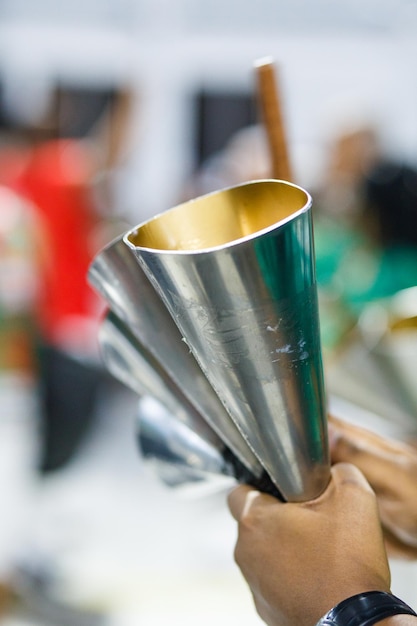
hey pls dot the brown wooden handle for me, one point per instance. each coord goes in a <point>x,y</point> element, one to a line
<point>271,111</point>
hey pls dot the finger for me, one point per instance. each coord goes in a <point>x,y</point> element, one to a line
<point>350,432</point>
<point>360,437</point>
<point>371,453</point>
<point>345,474</point>
<point>237,500</point>
<point>243,497</point>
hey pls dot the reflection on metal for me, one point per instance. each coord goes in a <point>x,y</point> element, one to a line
<point>235,269</point>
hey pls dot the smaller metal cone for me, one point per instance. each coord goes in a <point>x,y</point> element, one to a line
<point>126,360</point>
<point>177,454</point>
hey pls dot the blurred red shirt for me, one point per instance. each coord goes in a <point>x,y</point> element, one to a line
<point>56,177</point>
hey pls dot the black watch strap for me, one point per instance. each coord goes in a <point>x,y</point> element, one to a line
<point>365,609</point>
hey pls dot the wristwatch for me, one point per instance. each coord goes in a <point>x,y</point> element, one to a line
<point>365,609</point>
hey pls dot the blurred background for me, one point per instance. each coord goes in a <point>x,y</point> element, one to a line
<point>112,111</point>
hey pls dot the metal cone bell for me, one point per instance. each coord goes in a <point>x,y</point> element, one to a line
<point>235,269</point>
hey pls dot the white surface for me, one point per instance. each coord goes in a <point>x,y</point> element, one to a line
<point>117,539</point>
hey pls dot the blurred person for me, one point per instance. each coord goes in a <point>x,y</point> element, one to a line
<point>352,152</point>
<point>366,218</point>
<point>63,171</point>
<point>347,258</point>
<point>55,177</point>
<point>301,560</point>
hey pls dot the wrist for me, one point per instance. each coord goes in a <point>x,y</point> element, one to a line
<point>365,609</point>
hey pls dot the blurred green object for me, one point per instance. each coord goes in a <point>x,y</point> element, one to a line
<point>353,272</point>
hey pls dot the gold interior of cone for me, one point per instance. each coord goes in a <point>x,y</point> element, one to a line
<point>222,217</point>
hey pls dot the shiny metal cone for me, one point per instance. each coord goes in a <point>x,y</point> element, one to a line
<point>117,276</point>
<point>179,455</point>
<point>236,271</point>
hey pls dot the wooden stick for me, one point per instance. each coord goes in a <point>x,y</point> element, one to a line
<point>271,112</point>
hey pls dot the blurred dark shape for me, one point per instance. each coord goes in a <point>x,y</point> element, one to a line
<point>391,203</point>
<point>365,228</point>
<point>78,109</point>
<point>218,116</point>
<point>69,389</point>
<point>34,595</point>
